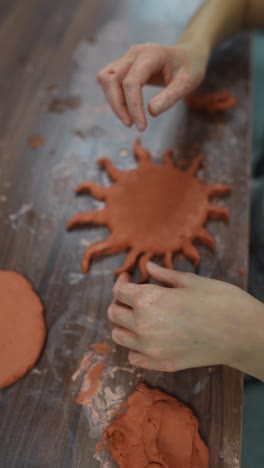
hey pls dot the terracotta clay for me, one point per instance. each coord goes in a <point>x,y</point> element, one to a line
<point>219,101</point>
<point>92,383</point>
<point>35,141</point>
<point>151,210</point>
<point>100,348</point>
<point>155,431</point>
<point>22,327</point>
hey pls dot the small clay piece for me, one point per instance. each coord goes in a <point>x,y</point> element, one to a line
<point>92,383</point>
<point>35,141</point>
<point>242,272</point>
<point>155,431</point>
<point>22,327</point>
<point>151,210</point>
<point>60,105</point>
<point>211,103</point>
<point>100,348</point>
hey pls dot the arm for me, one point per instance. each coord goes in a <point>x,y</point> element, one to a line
<point>220,19</point>
<point>179,69</point>
<point>192,322</point>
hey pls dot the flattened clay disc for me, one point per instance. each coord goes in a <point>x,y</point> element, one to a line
<point>22,327</point>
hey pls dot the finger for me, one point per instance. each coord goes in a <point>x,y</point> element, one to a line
<point>141,360</point>
<point>126,338</point>
<point>122,315</point>
<point>139,74</point>
<point>169,277</point>
<point>110,79</point>
<point>124,291</point>
<point>181,85</point>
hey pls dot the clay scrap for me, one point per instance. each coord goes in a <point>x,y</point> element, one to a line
<point>156,430</point>
<point>212,103</point>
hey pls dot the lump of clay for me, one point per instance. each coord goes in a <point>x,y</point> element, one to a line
<point>151,210</point>
<point>22,327</point>
<point>156,431</point>
<point>211,103</point>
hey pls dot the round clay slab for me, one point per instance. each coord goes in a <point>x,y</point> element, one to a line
<point>22,327</point>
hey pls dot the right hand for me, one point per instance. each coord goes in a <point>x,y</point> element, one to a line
<point>179,69</point>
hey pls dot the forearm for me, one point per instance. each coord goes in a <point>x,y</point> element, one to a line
<point>216,20</point>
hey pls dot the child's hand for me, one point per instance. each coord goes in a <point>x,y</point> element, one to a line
<point>180,69</point>
<point>192,322</point>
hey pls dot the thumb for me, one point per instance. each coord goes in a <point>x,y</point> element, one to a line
<point>168,277</point>
<point>181,85</point>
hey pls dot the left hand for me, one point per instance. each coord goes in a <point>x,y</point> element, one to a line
<point>192,322</point>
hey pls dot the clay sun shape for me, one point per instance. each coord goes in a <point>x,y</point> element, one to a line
<point>153,210</point>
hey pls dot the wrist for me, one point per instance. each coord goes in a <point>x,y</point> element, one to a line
<point>249,353</point>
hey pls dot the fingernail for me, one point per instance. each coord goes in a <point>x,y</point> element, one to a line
<point>155,107</point>
<point>127,122</point>
<point>140,126</point>
<point>151,264</point>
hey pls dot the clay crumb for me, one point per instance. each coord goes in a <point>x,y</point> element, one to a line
<point>35,141</point>
<point>100,348</point>
<point>60,105</point>
<point>242,272</point>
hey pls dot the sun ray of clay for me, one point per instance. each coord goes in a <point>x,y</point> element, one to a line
<point>194,167</point>
<point>129,262</point>
<point>168,263</point>
<point>111,170</point>
<point>218,212</point>
<point>168,158</point>
<point>141,153</point>
<point>218,190</point>
<point>106,247</point>
<point>94,189</point>
<point>191,252</point>
<point>143,266</point>
<point>204,237</point>
<point>147,213</point>
<point>97,217</point>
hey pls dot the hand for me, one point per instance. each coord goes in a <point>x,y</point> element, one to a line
<point>192,322</point>
<point>180,69</point>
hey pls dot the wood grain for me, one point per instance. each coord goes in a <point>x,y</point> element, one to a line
<point>55,49</point>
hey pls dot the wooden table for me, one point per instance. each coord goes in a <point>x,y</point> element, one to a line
<point>54,48</point>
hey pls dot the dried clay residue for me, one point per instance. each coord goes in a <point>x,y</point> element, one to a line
<point>99,397</point>
<point>155,431</point>
<point>211,103</point>
<point>172,204</point>
<point>95,132</point>
<point>35,141</point>
<point>60,105</point>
